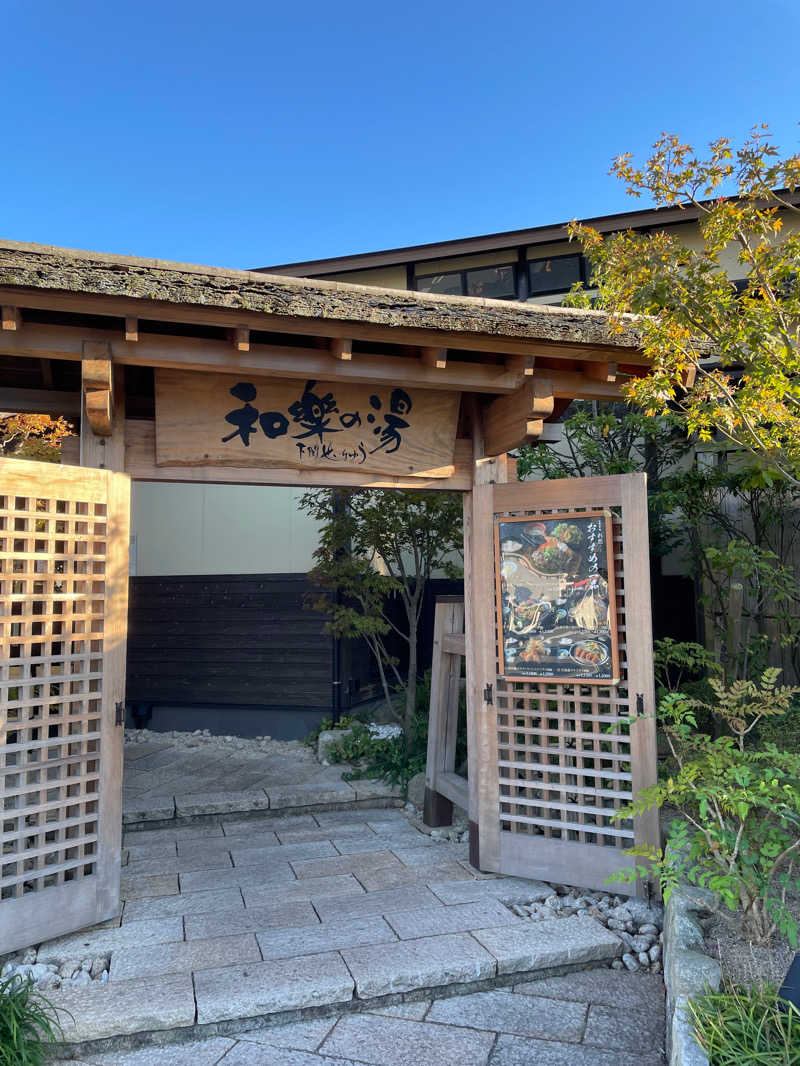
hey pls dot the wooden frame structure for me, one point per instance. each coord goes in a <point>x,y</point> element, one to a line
<point>79,330</point>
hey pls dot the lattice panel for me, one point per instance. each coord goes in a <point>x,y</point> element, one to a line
<point>564,749</point>
<point>52,606</point>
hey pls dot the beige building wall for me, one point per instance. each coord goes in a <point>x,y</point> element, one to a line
<point>218,529</point>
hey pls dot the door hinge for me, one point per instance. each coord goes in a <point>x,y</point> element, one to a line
<point>487,694</point>
<point>120,713</point>
<point>639,704</point>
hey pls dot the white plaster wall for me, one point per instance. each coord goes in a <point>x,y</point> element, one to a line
<point>219,529</point>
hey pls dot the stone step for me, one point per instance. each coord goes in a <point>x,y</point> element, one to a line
<point>214,1000</point>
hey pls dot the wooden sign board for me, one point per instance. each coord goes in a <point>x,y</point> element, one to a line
<point>208,419</point>
<point>556,606</point>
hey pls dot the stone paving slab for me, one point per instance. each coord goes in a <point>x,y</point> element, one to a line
<point>539,945</point>
<point>412,897</point>
<point>256,856</point>
<point>186,957</point>
<point>221,802</point>
<point>374,1039</point>
<point>506,889</point>
<point>219,860</point>
<point>229,899</point>
<point>147,885</point>
<point>269,987</point>
<point>546,1019</point>
<point>270,873</point>
<point>313,888</point>
<point>238,827</point>
<point>460,918</point>
<point>425,963</point>
<point>518,1051</point>
<point>99,940</point>
<point>361,814</point>
<point>329,832</point>
<point>386,841</point>
<point>196,1053</point>
<point>320,938</point>
<point>252,920</point>
<point>155,849</point>
<point>397,875</point>
<point>119,1007</point>
<point>258,838</point>
<point>308,795</point>
<point>245,1054</point>
<point>431,856</point>
<point>628,1030</point>
<point>611,988</point>
<point>345,864</point>
<point>205,830</point>
<point>299,1036</point>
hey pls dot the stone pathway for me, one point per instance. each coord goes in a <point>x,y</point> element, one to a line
<point>595,1018</point>
<point>273,915</point>
<point>183,775</point>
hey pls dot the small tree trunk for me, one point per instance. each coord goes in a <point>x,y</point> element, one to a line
<point>411,684</point>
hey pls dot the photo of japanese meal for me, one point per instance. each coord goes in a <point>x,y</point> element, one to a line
<point>554,598</point>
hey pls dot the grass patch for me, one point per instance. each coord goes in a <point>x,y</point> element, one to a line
<point>28,1023</point>
<point>747,1027</point>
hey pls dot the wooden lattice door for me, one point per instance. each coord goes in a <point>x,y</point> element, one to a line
<point>64,546</point>
<point>558,758</point>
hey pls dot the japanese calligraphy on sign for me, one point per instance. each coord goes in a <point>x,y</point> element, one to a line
<point>555,597</point>
<point>251,421</point>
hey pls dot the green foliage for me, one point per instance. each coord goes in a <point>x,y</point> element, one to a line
<point>747,1027</point>
<point>396,759</point>
<point>345,722</point>
<point>739,833</point>
<point>725,361</point>
<point>377,544</point>
<point>28,1023</point>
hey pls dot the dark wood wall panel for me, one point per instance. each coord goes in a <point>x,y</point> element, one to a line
<point>242,639</point>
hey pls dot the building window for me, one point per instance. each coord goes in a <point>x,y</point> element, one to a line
<point>556,274</point>
<point>493,282</point>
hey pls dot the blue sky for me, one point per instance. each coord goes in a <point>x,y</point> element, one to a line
<point>255,133</point>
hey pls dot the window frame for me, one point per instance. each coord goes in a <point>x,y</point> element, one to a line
<point>464,271</point>
<point>560,290</point>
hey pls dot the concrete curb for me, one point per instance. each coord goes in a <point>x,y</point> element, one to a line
<point>688,972</point>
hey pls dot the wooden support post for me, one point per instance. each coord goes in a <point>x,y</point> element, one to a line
<point>443,714</point>
<point>342,349</point>
<point>97,387</point>
<point>131,329</point>
<point>11,318</point>
<point>639,652</point>
<point>103,406</point>
<point>435,357</point>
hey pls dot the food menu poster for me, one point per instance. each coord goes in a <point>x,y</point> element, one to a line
<point>556,606</point>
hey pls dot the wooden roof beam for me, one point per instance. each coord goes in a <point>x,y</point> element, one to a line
<point>434,357</point>
<point>341,348</point>
<point>521,364</point>
<point>191,353</point>
<point>511,421</point>
<point>131,329</point>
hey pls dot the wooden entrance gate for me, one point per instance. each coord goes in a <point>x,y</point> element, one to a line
<point>63,604</point>
<point>551,762</point>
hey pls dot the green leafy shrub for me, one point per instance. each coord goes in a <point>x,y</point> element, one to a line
<point>747,1027</point>
<point>346,722</point>
<point>739,831</point>
<point>396,759</point>
<point>28,1023</point>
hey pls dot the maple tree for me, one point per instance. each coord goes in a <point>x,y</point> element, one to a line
<point>725,355</point>
<point>25,436</point>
